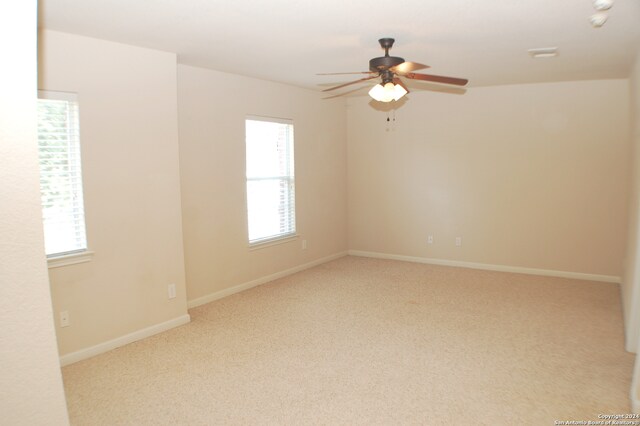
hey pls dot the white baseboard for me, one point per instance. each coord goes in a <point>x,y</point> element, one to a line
<point>489,267</point>
<point>92,351</point>
<point>101,348</point>
<point>245,286</point>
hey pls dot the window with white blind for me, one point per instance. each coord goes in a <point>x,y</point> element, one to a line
<point>60,174</point>
<point>271,206</point>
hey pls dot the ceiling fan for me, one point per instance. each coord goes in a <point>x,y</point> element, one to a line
<point>390,69</point>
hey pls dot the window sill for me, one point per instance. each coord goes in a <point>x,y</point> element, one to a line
<point>272,242</point>
<point>69,259</point>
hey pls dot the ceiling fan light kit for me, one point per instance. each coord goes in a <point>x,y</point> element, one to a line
<point>387,93</point>
<point>389,69</point>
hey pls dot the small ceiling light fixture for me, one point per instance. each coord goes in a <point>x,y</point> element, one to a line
<point>598,19</point>
<point>602,4</point>
<point>543,52</point>
<point>387,93</point>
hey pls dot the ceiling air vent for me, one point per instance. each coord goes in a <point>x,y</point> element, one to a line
<point>543,52</point>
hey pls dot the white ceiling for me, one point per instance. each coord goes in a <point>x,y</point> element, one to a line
<point>290,41</point>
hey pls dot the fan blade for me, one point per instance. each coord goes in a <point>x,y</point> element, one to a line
<point>407,67</point>
<point>334,96</point>
<point>351,82</point>
<point>396,80</point>
<point>343,73</point>
<point>348,92</point>
<point>438,78</point>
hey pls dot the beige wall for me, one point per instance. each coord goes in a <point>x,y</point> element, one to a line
<point>31,390</point>
<point>129,141</point>
<point>531,176</point>
<point>212,110</point>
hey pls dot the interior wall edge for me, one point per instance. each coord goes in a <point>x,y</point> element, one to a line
<point>629,286</point>
<point>259,281</point>
<point>489,267</point>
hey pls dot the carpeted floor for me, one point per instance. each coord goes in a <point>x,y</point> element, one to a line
<point>366,342</point>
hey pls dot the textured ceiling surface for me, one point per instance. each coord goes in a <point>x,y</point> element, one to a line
<point>290,41</point>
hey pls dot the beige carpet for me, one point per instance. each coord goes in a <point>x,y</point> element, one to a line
<point>365,341</point>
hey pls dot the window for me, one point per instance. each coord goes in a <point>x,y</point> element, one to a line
<point>60,174</point>
<point>270,179</point>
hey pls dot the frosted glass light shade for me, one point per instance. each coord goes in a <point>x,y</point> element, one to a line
<point>398,92</point>
<point>387,93</point>
<point>377,92</point>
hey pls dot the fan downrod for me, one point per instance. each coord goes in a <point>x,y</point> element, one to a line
<point>386,44</point>
<point>385,62</point>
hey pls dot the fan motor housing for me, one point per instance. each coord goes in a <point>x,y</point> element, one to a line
<point>384,63</point>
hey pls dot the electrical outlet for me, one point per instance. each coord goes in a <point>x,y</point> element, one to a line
<point>430,239</point>
<point>304,244</point>
<point>458,241</point>
<point>64,319</point>
<point>172,291</point>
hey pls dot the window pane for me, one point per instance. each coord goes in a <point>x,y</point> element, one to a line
<point>270,180</point>
<point>60,175</point>
<point>270,207</point>
<point>269,152</point>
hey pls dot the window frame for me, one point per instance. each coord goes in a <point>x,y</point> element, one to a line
<point>289,178</point>
<point>83,254</point>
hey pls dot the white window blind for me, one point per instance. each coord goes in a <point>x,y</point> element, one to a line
<point>60,173</point>
<point>270,179</point>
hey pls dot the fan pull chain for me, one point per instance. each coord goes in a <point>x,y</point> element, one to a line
<point>391,121</point>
